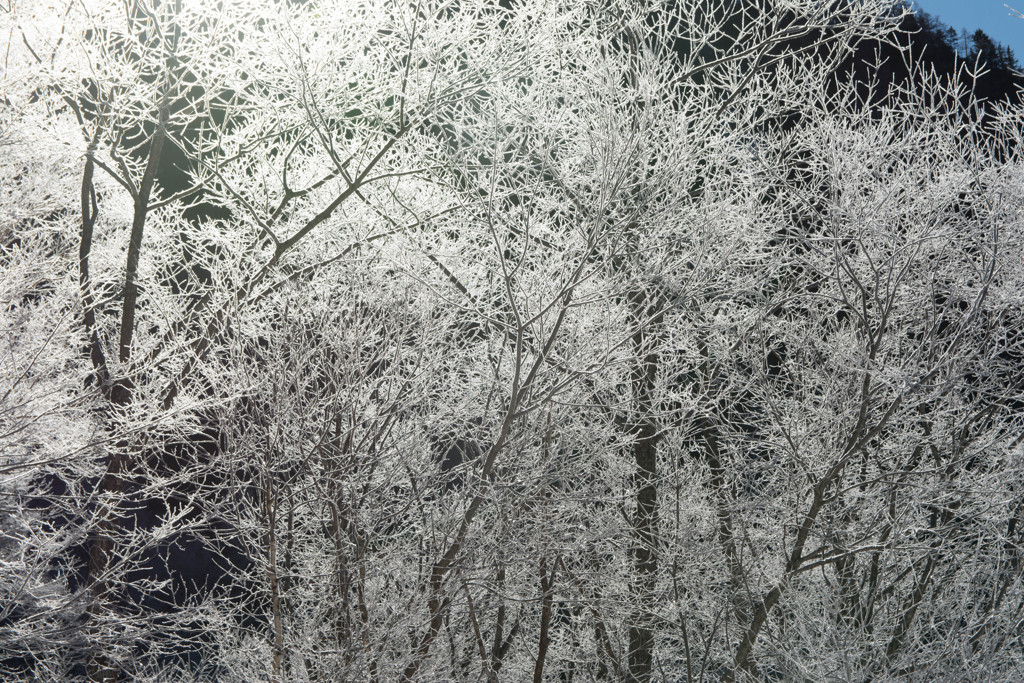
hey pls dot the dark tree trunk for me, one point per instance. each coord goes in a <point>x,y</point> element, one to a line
<point>647,319</point>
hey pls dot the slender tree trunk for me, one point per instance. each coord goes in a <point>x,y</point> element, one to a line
<point>646,316</point>
<point>270,502</point>
<point>102,542</point>
<point>102,549</point>
<point>89,212</point>
<point>723,510</point>
<point>131,287</point>
<point>546,586</point>
<point>645,561</point>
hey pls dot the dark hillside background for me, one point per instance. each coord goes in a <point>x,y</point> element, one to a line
<point>990,68</point>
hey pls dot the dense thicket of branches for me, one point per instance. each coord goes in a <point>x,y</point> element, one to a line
<point>506,341</point>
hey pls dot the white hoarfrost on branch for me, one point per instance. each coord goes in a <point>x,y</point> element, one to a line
<point>478,340</point>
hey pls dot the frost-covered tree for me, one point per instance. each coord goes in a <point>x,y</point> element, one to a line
<point>479,340</point>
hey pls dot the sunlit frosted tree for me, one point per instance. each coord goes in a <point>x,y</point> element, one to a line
<point>479,340</point>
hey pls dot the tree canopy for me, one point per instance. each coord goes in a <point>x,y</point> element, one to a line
<point>534,340</point>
